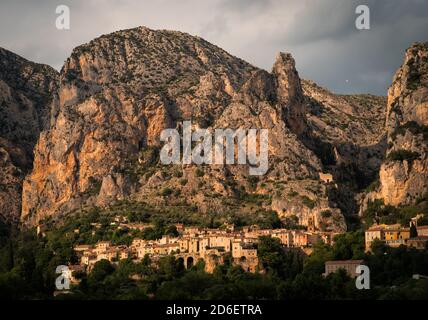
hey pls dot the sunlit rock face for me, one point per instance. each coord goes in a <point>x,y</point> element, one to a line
<point>117,93</point>
<point>404,175</point>
<point>26,91</point>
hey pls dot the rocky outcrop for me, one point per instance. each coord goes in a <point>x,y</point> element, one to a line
<point>26,90</point>
<point>290,93</point>
<point>404,174</point>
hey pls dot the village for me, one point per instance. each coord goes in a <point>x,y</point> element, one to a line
<point>195,243</point>
<point>395,235</point>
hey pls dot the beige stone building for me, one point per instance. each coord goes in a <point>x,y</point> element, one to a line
<point>300,238</point>
<point>422,230</point>
<point>326,177</point>
<point>392,235</point>
<point>285,236</point>
<point>419,242</point>
<point>350,266</point>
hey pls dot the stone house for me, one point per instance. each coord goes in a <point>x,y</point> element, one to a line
<point>350,266</point>
<point>419,242</point>
<point>422,230</point>
<point>326,177</point>
<point>300,238</point>
<point>285,236</point>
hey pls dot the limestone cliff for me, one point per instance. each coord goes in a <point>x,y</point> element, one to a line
<point>403,175</point>
<point>26,90</point>
<point>347,133</point>
<point>119,91</point>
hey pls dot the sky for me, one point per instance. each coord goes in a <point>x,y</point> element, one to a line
<point>320,34</point>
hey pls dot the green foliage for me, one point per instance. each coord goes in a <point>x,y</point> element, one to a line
<point>292,194</point>
<point>308,202</point>
<point>275,260</point>
<point>267,219</point>
<point>372,186</point>
<point>166,192</point>
<point>288,274</point>
<point>292,222</point>
<point>94,186</point>
<point>401,155</point>
<point>171,231</point>
<point>101,270</point>
<point>254,198</point>
<point>412,126</point>
<point>395,266</point>
<point>199,172</point>
<point>413,231</point>
<point>178,174</point>
<point>253,180</point>
<point>149,156</point>
<point>414,76</point>
<point>347,246</point>
<point>71,75</point>
<point>326,213</point>
<point>409,290</point>
<point>378,211</point>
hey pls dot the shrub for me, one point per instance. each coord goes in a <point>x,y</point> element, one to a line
<point>178,173</point>
<point>199,172</point>
<point>95,186</point>
<point>166,192</point>
<point>308,202</point>
<point>326,213</point>
<point>413,127</point>
<point>149,156</point>
<point>373,186</point>
<point>70,75</point>
<point>292,194</point>
<point>401,155</point>
<point>253,180</point>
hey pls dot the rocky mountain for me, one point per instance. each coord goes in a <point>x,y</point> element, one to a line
<point>103,115</point>
<point>26,89</point>
<point>119,91</point>
<point>404,173</point>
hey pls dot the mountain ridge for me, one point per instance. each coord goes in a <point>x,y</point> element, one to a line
<point>116,93</point>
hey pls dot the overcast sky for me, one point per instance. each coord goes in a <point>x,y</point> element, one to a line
<point>321,34</point>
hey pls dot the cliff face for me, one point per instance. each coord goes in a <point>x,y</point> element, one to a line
<point>26,90</point>
<point>352,125</point>
<point>117,93</point>
<point>347,133</point>
<point>404,176</point>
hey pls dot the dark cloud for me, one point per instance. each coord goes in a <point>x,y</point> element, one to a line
<point>321,34</point>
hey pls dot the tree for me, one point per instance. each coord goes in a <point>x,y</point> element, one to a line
<point>413,231</point>
<point>378,247</point>
<point>170,268</point>
<point>172,231</point>
<point>271,255</point>
<point>315,263</point>
<point>349,246</point>
<point>101,270</point>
